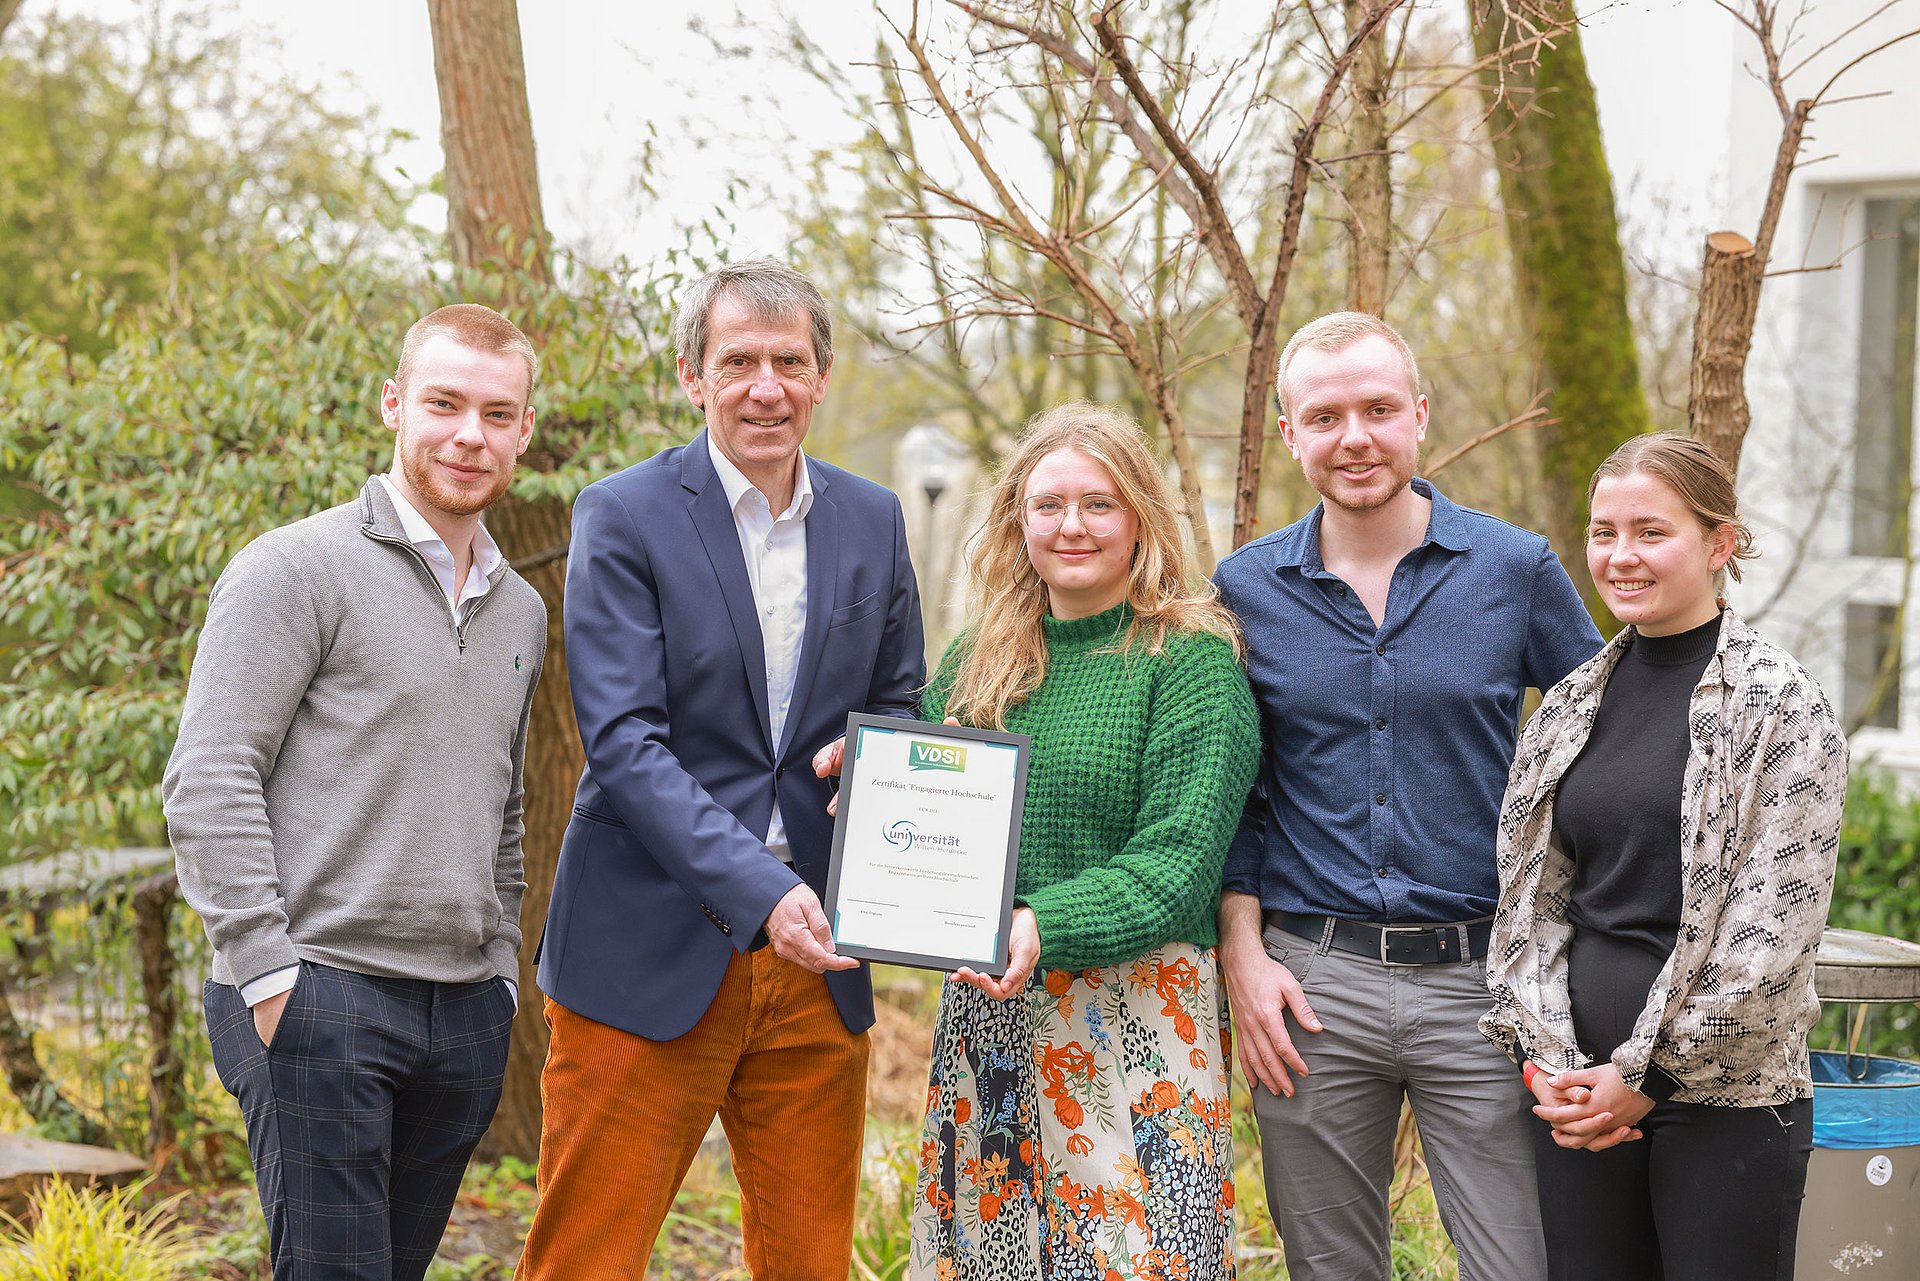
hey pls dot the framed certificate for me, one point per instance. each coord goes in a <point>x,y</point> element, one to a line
<point>926,843</point>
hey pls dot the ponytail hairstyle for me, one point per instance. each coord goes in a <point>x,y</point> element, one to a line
<point>1699,476</point>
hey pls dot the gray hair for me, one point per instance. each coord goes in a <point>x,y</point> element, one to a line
<point>769,288</point>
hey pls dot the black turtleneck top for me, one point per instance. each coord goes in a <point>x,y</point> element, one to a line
<point>1617,816</point>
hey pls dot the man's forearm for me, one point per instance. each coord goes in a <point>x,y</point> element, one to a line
<point>1240,923</point>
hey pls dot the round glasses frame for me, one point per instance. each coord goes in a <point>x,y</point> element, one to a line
<point>1045,513</point>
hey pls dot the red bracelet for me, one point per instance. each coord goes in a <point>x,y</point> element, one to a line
<point>1528,1071</point>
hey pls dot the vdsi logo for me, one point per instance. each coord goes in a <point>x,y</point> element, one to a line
<point>936,756</point>
<point>900,834</point>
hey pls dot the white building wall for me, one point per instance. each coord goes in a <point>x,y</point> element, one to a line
<point>1797,473</point>
<point>1691,136</point>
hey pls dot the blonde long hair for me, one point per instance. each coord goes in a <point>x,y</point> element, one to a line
<point>1003,653</point>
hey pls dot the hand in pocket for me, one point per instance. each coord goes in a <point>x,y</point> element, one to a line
<point>266,1016</point>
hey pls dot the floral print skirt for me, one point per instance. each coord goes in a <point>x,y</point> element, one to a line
<point>1081,1130</point>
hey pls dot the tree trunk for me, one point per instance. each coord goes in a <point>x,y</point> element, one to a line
<point>494,221</point>
<point>1722,332</point>
<point>1568,270</point>
<point>9,10</point>
<point>153,901</point>
<point>486,130</point>
<point>1257,401</point>
<point>527,530</point>
<point>1367,177</point>
<point>1731,276</point>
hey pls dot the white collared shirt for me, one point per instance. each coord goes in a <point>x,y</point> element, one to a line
<point>439,557</point>
<point>775,549</point>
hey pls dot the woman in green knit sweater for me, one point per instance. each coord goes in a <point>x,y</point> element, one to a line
<point>1078,1122</point>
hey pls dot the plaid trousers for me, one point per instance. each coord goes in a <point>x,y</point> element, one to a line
<point>362,1113</point>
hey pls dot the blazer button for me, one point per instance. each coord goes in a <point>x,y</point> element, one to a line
<point>724,927</point>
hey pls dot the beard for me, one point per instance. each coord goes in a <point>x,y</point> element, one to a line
<point>454,500</point>
<point>1328,485</point>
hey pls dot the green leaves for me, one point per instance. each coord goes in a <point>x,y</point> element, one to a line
<point>133,154</point>
<point>242,401</point>
<point>1877,889</point>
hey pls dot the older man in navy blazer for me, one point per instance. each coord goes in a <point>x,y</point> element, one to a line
<point>728,603</point>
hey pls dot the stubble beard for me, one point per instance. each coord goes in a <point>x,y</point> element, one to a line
<point>450,499</point>
<point>1326,487</point>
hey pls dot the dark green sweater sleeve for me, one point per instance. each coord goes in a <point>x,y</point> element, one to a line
<point>1202,746</point>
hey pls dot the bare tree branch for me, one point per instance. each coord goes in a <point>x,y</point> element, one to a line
<point>1214,224</point>
<point>1110,98</point>
<point>1841,37</point>
<point>1535,416</point>
<point>1734,268</point>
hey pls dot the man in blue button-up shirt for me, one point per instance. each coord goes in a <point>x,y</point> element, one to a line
<point>1392,636</point>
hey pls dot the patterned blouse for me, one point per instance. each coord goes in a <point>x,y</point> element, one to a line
<point>1766,779</point>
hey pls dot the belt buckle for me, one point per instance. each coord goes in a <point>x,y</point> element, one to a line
<point>1385,930</point>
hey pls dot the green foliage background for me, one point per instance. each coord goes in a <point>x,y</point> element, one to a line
<point>1877,889</point>
<point>241,400</point>
<point>133,151</point>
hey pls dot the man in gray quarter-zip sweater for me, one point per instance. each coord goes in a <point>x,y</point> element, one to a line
<point>344,802</point>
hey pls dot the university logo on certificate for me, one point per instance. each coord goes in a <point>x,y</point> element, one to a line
<point>926,843</point>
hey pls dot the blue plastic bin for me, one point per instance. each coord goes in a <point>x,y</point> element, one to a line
<point>1880,1109</point>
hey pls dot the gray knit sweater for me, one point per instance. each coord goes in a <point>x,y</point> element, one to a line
<point>346,787</point>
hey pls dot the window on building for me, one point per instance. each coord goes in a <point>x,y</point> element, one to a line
<point>1873,666</point>
<point>1883,421</point>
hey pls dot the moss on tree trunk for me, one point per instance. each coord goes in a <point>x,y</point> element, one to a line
<point>1569,273</point>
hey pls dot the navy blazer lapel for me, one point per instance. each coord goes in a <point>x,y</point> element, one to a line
<point>714,520</point>
<point>823,575</point>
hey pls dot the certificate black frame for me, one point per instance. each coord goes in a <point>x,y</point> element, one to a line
<point>1023,749</point>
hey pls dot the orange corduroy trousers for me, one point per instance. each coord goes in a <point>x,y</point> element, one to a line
<point>624,1117</point>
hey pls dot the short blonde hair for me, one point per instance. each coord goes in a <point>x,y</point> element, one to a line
<point>1005,652</point>
<point>1337,331</point>
<point>470,325</point>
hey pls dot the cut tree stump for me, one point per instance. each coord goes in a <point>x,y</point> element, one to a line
<point>1731,273</point>
<point>27,1161</point>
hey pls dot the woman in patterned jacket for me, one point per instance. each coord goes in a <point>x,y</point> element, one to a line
<point>1666,858</point>
<point>1078,1120</point>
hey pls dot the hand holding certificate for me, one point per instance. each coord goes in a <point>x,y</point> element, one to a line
<point>926,844</point>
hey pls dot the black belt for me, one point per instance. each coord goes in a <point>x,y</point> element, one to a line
<point>1391,944</point>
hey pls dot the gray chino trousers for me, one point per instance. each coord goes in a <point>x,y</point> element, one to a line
<point>1393,1031</point>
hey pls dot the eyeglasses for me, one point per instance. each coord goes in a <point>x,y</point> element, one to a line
<point>1100,515</point>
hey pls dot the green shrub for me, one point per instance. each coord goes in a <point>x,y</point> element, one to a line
<point>243,398</point>
<point>85,1233</point>
<point>1877,889</point>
